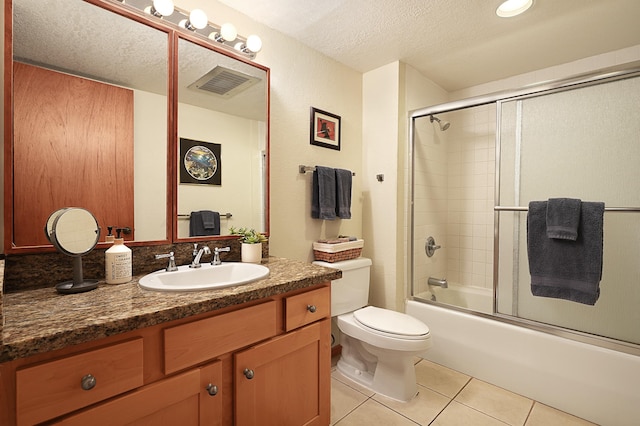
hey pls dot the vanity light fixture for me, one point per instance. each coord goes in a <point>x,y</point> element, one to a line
<point>195,23</point>
<point>227,32</point>
<point>511,8</point>
<point>197,20</point>
<point>160,8</point>
<point>252,45</point>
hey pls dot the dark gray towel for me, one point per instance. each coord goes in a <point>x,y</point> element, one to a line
<point>323,200</point>
<point>563,218</point>
<point>204,222</point>
<point>566,269</point>
<point>343,196</point>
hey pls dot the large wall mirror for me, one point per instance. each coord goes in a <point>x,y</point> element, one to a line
<point>222,140</point>
<point>96,126</point>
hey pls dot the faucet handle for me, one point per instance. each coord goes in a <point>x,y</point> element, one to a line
<point>172,261</point>
<point>216,255</point>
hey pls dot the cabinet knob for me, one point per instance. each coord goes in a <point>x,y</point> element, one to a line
<point>311,308</point>
<point>212,389</point>
<point>88,382</point>
<point>248,373</point>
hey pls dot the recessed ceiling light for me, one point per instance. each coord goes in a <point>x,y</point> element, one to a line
<point>511,8</point>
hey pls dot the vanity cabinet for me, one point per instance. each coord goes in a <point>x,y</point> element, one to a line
<point>286,379</point>
<point>264,362</point>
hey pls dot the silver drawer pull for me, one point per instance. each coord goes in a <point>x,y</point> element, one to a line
<point>248,373</point>
<point>311,308</point>
<point>212,389</point>
<point>88,382</point>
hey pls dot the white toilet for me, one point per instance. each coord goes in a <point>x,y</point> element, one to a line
<point>378,345</point>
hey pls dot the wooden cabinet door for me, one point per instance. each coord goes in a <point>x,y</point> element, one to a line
<point>287,380</point>
<point>72,147</point>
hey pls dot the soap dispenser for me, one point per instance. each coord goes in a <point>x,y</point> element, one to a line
<point>117,261</point>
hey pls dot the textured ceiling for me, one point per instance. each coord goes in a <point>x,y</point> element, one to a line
<point>456,43</point>
<point>85,40</point>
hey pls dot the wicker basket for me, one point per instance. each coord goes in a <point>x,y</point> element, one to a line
<point>338,252</point>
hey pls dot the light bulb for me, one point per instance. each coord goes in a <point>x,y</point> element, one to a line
<point>254,43</point>
<point>511,8</point>
<point>228,32</point>
<point>163,7</point>
<point>198,19</point>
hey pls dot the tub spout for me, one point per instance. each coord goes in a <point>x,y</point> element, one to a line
<point>440,282</point>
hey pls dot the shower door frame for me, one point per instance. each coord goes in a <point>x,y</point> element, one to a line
<point>605,75</point>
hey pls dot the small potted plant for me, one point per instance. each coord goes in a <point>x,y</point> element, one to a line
<point>251,243</point>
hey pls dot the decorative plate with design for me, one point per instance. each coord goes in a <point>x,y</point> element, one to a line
<point>200,162</point>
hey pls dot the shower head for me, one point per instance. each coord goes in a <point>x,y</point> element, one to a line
<point>444,125</point>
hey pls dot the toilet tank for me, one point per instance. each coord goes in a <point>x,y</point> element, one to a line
<point>350,292</point>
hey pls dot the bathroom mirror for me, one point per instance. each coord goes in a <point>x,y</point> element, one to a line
<point>74,232</point>
<point>232,136</point>
<point>108,45</point>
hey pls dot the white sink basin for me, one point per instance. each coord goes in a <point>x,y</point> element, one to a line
<point>206,277</point>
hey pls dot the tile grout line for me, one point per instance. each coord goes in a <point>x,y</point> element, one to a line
<point>354,408</point>
<point>487,414</point>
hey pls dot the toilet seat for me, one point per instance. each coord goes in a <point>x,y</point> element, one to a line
<point>391,323</point>
<point>349,325</point>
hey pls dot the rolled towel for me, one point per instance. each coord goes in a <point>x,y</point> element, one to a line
<point>563,218</point>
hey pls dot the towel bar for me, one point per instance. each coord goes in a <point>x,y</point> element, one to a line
<point>524,209</point>
<point>304,169</point>
<point>222,216</point>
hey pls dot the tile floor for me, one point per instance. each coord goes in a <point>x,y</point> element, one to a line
<point>445,398</point>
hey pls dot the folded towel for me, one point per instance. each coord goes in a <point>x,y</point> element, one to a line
<point>323,200</point>
<point>204,222</point>
<point>566,269</point>
<point>563,217</point>
<point>343,196</point>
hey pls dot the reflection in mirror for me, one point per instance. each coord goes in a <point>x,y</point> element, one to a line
<point>90,118</point>
<point>74,232</point>
<point>222,143</point>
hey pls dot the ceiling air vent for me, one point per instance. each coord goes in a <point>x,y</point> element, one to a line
<point>224,82</point>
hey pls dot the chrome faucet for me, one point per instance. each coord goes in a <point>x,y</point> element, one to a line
<point>216,255</point>
<point>198,255</point>
<point>172,261</point>
<point>440,282</point>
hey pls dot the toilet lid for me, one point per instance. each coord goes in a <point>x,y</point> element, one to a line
<point>390,322</point>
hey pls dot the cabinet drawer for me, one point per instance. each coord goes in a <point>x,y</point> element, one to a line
<point>198,341</point>
<point>173,401</point>
<point>305,308</point>
<point>54,388</point>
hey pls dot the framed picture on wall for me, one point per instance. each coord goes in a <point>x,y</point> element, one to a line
<point>325,129</point>
<point>200,162</point>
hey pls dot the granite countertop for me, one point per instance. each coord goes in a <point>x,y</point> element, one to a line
<point>37,321</point>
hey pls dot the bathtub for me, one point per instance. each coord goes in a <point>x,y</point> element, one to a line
<point>594,383</point>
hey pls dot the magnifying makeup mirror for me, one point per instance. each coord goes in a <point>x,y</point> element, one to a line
<point>75,232</point>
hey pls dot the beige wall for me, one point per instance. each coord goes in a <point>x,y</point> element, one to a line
<point>389,93</point>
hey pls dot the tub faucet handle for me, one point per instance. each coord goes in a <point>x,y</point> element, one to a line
<point>430,247</point>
